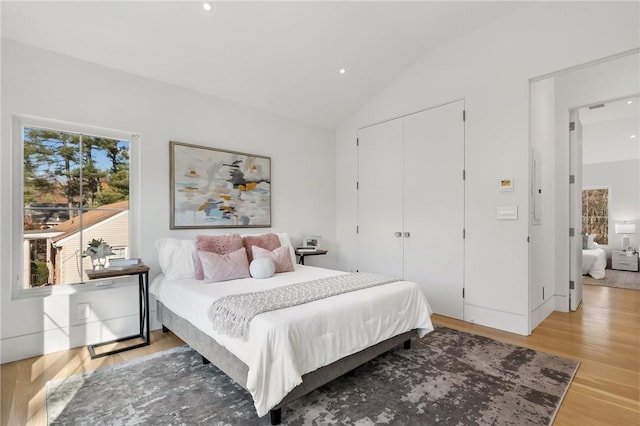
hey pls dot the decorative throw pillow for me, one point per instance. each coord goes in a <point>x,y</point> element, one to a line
<point>262,267</point>
<point>585,241</point>
<point>175,257</point>
<point>219,244</point>
<point>279,256</point>
<point>286,242</point>
<point>591,244</point>
<point>224,267</point>
<point>266,241</point>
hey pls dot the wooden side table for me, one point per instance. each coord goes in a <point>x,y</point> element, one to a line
<point>142,271</point>
<point>303,254</point>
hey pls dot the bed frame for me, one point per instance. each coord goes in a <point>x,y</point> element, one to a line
<point>237,370</point>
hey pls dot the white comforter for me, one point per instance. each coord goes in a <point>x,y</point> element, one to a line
<point>286,344</point>
<point>594,262</point>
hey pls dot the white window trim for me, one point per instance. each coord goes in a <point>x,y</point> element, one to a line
<point>16,182</point>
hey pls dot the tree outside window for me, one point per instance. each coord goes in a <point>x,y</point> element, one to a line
<point>595,214</point>
<point>76,187</point>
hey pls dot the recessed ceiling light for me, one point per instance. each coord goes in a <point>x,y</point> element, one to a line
<point>342,70</point>
<point>207,5</point>
<point>633,136</point>
<point>629,102</point>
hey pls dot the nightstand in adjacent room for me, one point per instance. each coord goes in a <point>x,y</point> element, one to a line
<point>624,260</point>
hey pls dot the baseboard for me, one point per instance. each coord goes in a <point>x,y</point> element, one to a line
<point>541,312</point>
<point>507,321</point>
<point>64,338</point>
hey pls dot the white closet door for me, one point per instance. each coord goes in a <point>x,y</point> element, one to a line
<point>380,198</point>
<point>434,205</point>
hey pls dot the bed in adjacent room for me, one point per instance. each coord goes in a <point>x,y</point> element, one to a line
<point>286,353</point>
<point>594,258</point>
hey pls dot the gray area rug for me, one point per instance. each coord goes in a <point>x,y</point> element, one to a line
<point>448,377</point>
<point>618,279</point>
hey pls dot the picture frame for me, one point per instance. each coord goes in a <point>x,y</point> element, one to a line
<point>311,241</point>
<point>217,188</point>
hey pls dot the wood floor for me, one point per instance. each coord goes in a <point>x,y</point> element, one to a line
<point>604,335</point>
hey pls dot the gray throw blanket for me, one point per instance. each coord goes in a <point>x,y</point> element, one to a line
<point>231,314</point>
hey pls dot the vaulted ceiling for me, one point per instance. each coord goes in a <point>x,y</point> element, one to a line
<point>283,57</point>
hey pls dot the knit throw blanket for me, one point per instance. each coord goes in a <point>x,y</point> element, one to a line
<point>231,314</point>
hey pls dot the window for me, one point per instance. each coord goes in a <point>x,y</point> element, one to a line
<point>595,214</point>
<point>76,187</point>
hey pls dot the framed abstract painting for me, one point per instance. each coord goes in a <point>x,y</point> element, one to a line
<point>215,188</point>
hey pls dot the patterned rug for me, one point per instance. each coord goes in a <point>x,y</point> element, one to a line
<point>448,377</point>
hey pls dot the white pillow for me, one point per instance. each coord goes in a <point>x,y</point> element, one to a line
<point>262,267</point>
<point>175,257</point>
<point>591,244</point>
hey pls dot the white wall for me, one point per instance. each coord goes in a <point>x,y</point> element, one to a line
<point>623,177</point>
<point>542,232</point>
<point>490,69</point>
<point>49,85</point>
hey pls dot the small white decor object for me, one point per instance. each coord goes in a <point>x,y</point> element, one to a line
<point>262,267</point>
<point>98,250</point>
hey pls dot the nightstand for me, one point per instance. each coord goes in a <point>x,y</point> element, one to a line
<point>624,260</point>
<point>142,271</point>
<point>302,254</point>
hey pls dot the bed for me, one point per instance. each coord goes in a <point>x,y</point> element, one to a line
<point>289,352</point>
<point>594,262</point>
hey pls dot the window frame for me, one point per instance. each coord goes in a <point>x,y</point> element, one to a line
<point>609,197</point>
<point>16,190</point>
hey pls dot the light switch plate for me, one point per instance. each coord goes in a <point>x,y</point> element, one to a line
<point>507,212</point>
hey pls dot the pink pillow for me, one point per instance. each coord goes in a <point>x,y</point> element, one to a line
<point>224,267</point>
<point>280,256</point>
<point>266,241</point>
<point>219,244</point>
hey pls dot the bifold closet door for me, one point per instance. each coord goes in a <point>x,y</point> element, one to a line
<point>434,205</point>
<point>380,199</point>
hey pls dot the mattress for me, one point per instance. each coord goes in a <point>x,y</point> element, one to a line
<point>283,345</point>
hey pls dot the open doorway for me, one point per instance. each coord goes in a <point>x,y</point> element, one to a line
<point>555,249</point>
<point>611,192</point>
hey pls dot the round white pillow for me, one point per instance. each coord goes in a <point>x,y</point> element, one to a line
<point>262,267</point>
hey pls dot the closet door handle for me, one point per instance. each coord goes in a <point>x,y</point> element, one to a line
<point>407,234</point>
<point>397,234</point>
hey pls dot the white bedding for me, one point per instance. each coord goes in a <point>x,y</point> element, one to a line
<point>594,262</point>
<point>286,344</point>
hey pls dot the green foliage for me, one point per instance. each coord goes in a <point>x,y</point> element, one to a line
<point>77,170</point>
<point>39,273</point>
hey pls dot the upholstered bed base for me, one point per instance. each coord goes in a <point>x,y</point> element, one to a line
<point>233,367</point>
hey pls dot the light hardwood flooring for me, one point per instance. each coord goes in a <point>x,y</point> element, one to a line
<point>604,335</point>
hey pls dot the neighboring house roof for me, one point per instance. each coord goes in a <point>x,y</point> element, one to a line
<point>89,218</point>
